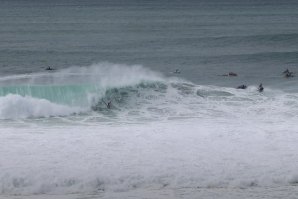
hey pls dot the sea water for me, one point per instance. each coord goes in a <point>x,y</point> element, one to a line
<point>167,135</point>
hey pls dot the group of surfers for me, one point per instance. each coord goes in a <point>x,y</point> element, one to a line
<point>286,74</point>
<point>243,86</point>
<point>260,88</point>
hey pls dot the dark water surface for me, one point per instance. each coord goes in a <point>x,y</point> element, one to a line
<point>256,39</point>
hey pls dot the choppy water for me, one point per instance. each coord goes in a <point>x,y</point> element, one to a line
<point>185,135</point>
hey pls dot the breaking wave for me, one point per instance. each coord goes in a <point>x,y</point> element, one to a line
<point>67,91</point>
<point>135,92</point>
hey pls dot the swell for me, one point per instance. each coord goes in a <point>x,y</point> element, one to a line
<point>289,38</point>
<point>264,39</point>
<point>275,57</point>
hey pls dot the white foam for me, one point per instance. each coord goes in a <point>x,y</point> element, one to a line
<point>191,153</point>
<point>16,106</point>
<point>222,138</point>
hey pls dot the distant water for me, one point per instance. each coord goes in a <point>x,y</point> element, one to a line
<point>189,133</point>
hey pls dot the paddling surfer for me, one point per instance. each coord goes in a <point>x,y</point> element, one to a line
<point>49,68</point>
<point>177,71</point>
<point>230,74</point>
<point>243,86</point>
<point>288,74</point>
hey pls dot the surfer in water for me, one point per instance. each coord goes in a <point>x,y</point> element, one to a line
<point>243,86</point>
<point>260,88</point>
<point>288,74</point>
<point>177,71</point>
<point>109,104</point>
<point>230,74</point>
<point>286,71</point>
<point>49,68</point>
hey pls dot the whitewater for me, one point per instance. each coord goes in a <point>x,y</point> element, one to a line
<point>164,136</point>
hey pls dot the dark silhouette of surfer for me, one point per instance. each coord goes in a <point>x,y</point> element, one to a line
<point>177,71</point>
<point>288,74</point>
<point>49,68</point>
<point>109,104</point>
<point>242,86</point>
<point>230,74</point>
<point>261,88</point>
<point>286,71</point>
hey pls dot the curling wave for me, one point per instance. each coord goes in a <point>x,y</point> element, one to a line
<point>67,91</point>
<point>135,92</point>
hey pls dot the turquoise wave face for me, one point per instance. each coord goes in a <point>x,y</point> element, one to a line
<point>82,95</point>
<point>61,94</point>
<point>77,86</point>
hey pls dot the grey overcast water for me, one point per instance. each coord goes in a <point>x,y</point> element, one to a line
<point>186,134</point>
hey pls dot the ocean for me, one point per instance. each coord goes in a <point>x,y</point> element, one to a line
<point>165,134</point>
